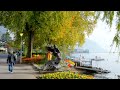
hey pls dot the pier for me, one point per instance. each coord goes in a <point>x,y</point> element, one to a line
<point>88,67</point>
<point>92,69</point>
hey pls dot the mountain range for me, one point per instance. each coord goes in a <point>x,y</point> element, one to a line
<point>92,47</point>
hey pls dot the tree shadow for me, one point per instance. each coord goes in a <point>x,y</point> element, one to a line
<point>19,73</point>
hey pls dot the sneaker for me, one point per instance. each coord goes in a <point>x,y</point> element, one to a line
<point>11,72</point>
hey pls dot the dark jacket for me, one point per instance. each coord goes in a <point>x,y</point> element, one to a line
<point>10,58</point>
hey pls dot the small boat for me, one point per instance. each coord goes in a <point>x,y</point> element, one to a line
<point>97,59</point>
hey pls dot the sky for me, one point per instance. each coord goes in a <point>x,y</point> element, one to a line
<point>103,35</point>
<point>2,29</point>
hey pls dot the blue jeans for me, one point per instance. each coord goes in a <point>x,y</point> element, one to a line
<point>10,67</point>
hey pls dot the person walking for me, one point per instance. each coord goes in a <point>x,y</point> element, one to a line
<point>18,57</point>
<point>49,56</point>
<point>14,57</point>
<point>10,61</point>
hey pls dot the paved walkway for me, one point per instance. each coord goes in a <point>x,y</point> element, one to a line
<point>21,71</point>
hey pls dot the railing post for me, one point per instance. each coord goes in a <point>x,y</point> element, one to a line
<point>76,64</point>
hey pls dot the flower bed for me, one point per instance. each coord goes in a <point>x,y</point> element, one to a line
<point>69,63</point>
<point>65,75</point>
<point>33,59</point>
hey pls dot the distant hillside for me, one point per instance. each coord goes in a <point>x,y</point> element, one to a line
<point>92,46</point>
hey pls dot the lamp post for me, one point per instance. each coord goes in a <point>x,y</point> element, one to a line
<point>23,46</point>
<point>21,34</point>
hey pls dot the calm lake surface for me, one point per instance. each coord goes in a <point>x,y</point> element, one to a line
<point>111,62</point>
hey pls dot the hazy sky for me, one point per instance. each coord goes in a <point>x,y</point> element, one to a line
<point>2,29</point>
<point>103,35</point>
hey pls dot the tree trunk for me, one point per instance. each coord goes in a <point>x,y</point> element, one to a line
<point>30,43</point>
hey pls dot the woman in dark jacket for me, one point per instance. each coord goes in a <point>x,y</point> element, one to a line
<point>10,61</point>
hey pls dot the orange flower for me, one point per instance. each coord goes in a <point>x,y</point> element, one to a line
<point>69,65</point>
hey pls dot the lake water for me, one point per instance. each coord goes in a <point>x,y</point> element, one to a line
<point>111,62</point>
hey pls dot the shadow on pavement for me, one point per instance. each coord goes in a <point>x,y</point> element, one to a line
<point>19,73</point>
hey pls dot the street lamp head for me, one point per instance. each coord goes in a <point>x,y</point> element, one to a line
<point>21,34</point>
<point>23,42</point>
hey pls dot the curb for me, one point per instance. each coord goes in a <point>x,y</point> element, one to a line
<point>36,67</point>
